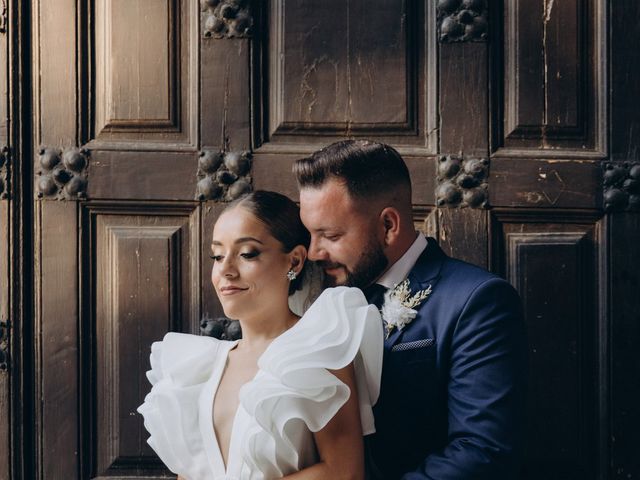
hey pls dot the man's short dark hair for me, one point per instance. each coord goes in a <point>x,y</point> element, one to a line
<point>368,169</point>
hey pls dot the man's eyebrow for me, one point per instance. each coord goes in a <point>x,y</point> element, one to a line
<point>240,240</point>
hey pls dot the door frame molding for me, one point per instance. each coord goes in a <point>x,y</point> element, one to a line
<point>21,251</point>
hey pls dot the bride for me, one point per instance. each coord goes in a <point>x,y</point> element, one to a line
<point>293,397</point>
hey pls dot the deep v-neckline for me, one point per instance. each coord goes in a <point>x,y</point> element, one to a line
<point>209,437</point>
<point>233,467</point>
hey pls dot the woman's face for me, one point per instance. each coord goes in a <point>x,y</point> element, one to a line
<point>250,268</point>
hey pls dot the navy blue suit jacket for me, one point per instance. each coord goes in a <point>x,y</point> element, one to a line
<point>453,380</point>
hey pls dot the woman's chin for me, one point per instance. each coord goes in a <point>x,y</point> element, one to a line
<point>235,308</point>
<point>232,312</point>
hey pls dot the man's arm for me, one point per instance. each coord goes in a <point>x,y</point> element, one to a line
<point>486,390</point>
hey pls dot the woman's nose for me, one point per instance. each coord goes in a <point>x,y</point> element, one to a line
<point>228,268</point>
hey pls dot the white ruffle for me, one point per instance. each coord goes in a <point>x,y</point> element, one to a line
<point>293,383</point>
<point>180,366</point>
<point>293,391</point>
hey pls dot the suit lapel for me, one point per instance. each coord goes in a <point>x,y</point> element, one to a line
<point>425,272</point>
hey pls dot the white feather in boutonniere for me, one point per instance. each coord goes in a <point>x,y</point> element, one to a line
<point>399,307</point>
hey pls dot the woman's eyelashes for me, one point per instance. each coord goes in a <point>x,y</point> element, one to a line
<point>246,255</point>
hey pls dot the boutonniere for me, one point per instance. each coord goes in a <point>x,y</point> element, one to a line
<point>399,307</point>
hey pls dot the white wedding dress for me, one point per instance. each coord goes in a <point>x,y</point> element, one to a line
<point>292,395</point>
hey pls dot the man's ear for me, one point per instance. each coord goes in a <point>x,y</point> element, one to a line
<point>298,256</point>
<point>390,221</point>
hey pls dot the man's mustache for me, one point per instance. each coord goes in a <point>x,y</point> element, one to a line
<point>324,264</point>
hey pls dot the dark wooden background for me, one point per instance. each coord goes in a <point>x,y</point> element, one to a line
<point>128,124</point>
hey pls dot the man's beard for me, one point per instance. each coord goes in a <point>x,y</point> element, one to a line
<point>370,265</point>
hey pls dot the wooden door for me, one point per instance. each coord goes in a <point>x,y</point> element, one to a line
<point>148,115</point>
<point>5,256</point>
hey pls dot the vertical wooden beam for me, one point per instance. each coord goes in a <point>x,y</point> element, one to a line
<point>624,239</point>
<point>56,324</point>
<point>57,332</point>
<point>5,338</point>
<point>463,233</point>
<point>225,92</point>
<point>624,314</point>
<point>5,256</point>
<point>464,99</point>
<point>625,83</point>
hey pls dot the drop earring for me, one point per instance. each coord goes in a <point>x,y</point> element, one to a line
<point>291,275</point>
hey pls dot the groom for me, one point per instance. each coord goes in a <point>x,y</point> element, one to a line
<point>453,382</point>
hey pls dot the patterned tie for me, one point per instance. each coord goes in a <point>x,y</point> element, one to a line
<point>375,294</point>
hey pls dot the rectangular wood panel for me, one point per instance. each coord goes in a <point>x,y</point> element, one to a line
<point>349,68</point>
<point>137,90</point>
<point>553,262</point>
<point>146,283</point>
<point>143,175</point>
<point>553,74</point>
<point>313,70</point>
<point>145,73</point>
<point>542,183</point>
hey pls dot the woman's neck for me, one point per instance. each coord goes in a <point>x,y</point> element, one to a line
<point>259,332</point>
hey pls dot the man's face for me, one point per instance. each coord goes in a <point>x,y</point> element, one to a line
<point>345,239</point>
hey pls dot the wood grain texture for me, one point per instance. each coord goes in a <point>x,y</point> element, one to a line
<point>338,69</point>
<point>463,234</point>
<point>5,341</point>
<point>57,368</point>
<point>464,127</point>
<point>225,87</point>
<point>330,82</point>
<point>142,175</point>
<point>520,182</point>
<point>552,69</point>
<point>136,89</point>
<point>145,282</point>
<point>624,310</point>
<point>55,73</point>
<point>145,74</point>
<point>552,261</point>
<point>625,83</point>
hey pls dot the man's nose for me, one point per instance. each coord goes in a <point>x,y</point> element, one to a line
<point>315,251</point>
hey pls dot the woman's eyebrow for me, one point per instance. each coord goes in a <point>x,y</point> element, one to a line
<point>240,240</point>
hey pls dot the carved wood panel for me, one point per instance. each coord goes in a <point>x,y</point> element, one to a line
<point>552,260</point>
<point>356,68</point>
<point>144,279</point>
<point>136,90</point>
<point>553,75</point>
<point>145,71</point>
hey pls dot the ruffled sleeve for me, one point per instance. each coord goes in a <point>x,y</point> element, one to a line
<point>181,364</point>
<point>294,384</point>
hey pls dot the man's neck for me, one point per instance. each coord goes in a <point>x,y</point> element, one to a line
<point>398,270</point>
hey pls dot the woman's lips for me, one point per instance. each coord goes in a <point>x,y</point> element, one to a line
<point>231,290</point>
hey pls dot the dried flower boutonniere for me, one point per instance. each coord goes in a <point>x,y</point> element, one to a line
<point>399,307</point>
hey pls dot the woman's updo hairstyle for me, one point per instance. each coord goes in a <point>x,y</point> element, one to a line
<point>281,216</point>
